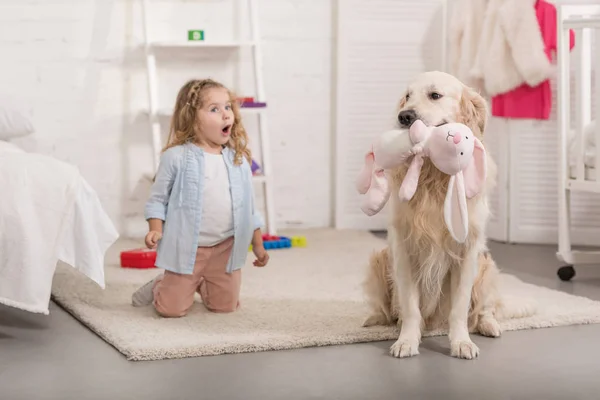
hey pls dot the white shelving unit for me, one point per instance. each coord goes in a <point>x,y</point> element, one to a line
<point>154,113</point>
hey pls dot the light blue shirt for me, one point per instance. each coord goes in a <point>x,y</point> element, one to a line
<point>176,198</point>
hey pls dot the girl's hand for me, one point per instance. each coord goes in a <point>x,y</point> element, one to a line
<point>152,239</point>
<point>262,257</point>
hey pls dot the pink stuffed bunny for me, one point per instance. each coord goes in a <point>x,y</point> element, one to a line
<point>388,151</point>
<point>452,148</point>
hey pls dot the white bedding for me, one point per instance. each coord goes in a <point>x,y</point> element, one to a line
<point>48,212</point>
<point>589,144</point>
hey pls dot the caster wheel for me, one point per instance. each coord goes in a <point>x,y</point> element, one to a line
<point>566,273</point>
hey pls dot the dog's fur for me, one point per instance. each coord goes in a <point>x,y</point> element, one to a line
<point>424,279</point>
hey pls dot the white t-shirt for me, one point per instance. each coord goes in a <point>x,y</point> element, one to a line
<point>217,212</point>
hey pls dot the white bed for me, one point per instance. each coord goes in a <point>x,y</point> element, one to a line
<point>48,212</point>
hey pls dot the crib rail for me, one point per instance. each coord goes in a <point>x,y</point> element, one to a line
<point>584,19</point>
<point>577,22</point>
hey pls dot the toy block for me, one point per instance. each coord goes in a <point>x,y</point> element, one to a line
<point>277,244</point>
<point>253,104</point>
<point>255,168</point>
<point>138,258</point>
<point>287,242</point>
<point>272,242</point>
<point>298,241</point>
<point>266,237</point>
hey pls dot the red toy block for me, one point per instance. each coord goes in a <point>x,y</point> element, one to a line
<point>138,258</point>
<point>246,99</point>
<point>267,238</point>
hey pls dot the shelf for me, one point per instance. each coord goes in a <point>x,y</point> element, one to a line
<point>575,185</point>
<point>191,44</point>
<point>248,108</point>
<point>158,111</point>
<point>582,22</point>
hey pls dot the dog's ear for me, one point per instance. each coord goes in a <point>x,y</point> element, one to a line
<point>474,109</point>
<point>402,102</point>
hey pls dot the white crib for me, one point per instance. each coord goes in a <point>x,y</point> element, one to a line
<point>579,161</point>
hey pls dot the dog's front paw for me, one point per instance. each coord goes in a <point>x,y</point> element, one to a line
<point>464,349</point>
<point>489,327</point>
<point>405,348</point>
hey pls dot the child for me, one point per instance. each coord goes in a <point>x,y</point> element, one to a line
<point>201,208</point>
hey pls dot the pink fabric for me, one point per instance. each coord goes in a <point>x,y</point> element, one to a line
<point>526,101</point>
<point>174,293</point>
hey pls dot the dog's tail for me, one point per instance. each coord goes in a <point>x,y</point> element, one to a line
<point>381,290</point>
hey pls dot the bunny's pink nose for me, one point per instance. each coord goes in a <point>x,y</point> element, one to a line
<point>456,138</point>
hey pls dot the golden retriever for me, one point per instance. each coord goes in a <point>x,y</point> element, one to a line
<point>424,279</point>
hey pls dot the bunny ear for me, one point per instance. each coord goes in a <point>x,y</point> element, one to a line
<point>378,194</point>
<point>409,184</point>
<point>363,181</point>
<point>475,173</point>
<point>455,209</point>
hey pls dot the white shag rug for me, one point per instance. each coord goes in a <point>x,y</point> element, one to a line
<point>305,297</point>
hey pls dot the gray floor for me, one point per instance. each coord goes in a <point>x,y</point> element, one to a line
<point>54,357</point>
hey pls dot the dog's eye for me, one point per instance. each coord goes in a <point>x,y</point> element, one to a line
<point>461,153</point>
<point>407,96</point>
<point>435,96</point>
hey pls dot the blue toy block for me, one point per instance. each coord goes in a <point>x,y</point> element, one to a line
<point>282,243</point>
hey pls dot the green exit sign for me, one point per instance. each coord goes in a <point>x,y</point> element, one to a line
<point>195,35</point>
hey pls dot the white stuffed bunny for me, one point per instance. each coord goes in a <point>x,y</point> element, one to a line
<point>452,148</point>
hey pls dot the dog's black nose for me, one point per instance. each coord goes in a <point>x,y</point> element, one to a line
<point>407,117</point>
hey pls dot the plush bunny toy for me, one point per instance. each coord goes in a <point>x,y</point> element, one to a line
<point>452,148</point>
<point>390,150</point>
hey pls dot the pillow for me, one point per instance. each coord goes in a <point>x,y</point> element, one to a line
<point>13,120</point>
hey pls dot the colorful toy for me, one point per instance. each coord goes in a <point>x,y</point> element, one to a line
<point>253,104</point>
<point>272,242</point>
<point>298,241</point>
<point>138,258</point>
<point>281,243</point>
<point>249,102</point>
<point>255,167</point>
<point>452,148</point>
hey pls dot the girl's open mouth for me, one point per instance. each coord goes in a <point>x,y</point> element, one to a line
<point>226,130</point>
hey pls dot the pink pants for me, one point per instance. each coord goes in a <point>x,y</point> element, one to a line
<point>174,293</point>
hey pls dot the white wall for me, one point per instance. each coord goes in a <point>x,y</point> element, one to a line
<point>79,65</point>
<point>382,45</point>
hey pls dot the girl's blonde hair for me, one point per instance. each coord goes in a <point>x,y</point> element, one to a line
<point>183,122</point>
